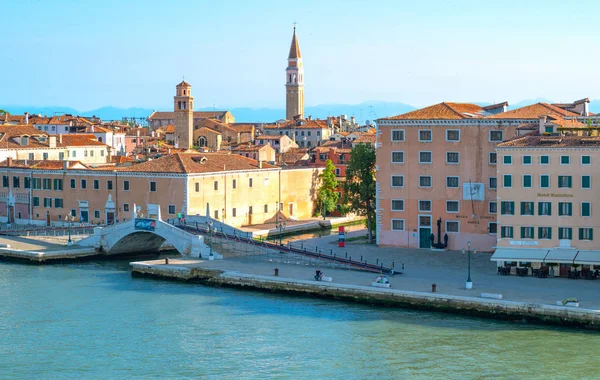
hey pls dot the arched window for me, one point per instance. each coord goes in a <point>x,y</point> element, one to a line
<point>99,139</point>
<point>295,81</point>
<point>290,78</point>
<point>183,104</point>
<point>183,92</point>
<point>179,105</point>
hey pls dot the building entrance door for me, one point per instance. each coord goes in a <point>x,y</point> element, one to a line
<point>84,216</point>
<point>424,231</point>
<point>110,218</point>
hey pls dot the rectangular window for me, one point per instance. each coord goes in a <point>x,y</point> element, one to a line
<point>452,157</point>
<point>544,208</point>
<point>172,210</point>
<point>397,204</point>
<point>397,224</point>
<point>397,157</point>
<point>424,181</point>
<point>493,158</point>
<point>27,182</point>
<point>586,209</point>
<point>58,203</point>
<point>425,206</point>
<point>526,180</point>
<point>452,182</point>
<point>152,186</point>
<point>31,156</point>
<point>249,182</point>
<point>565,208</point>
<point>492,207</point>
<point>234,184</point>
<point>397,181</point>
<point>48,202</point>
<point>565,160</point>
<point>526,160</point>
<point>250,210</point>
<point>565,233</point>
<point>452,206</point>
<point>125,185</point>
<point>527,233</point>
<point>492,228</point>
<point>61,156</point>
<point>586,234</point>
<point>507,160</point>
<point>545,181</point>
<point>424,157</point>
<point>506,232</point>
<point>564,181</point>
<point>586,160</point>
<point>109,185</point>
<point>97,214</point>
<point>586,182</point>
<point>544,232</point>
<point>36,201</point>
<point>125,206</point>
<point>16,182</point>
<point>73,154</point>
<point>493,183</point>
<point>425,135</point>
<point>83,184</point>
<point>544,160</point>
<point>452,226</point>
<point>507,208</point>
<point>527,208</point>
<point>37,183</point>
<point>96,184</point>
<point>45,156</point>
<point>47,184</point>
<point>397,135</point>
<point>496,136</point>
<point>452,135</point>
<point>58,184</point>
<point>216,185</point>
<point>507,180</point>
<point>234,212</point>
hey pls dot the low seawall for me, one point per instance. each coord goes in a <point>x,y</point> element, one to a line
<point>40,257</point>
<point>507,310</point>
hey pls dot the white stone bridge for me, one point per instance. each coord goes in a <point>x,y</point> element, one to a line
<point>139,235</point>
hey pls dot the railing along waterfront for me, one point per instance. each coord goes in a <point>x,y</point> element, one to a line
<point>299,249</point>
<point>48,231</point>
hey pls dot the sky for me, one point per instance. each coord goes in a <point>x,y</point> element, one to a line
<point>131,53</point>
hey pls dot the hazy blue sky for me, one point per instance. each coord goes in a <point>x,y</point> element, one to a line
<point>88,54</point>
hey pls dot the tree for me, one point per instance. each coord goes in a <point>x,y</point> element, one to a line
<point>359,189</point>
<point>327,197</point>
<point>3,111</point>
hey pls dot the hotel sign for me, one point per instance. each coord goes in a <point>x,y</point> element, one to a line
<point>555,195</point>
<point>523,242</point>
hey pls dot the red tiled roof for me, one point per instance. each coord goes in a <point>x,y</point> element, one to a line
<point>443,111</point>
<point>193,163</point>
<point>197,115</point>
<point>295,48</point>
<point>533,111</point>
<point>552,142</point>
<point>43,164</point>
<point>305,124</point>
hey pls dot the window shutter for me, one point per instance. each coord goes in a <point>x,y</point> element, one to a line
<point>540,208</point>
<point>569,181</point>
<point>570,208</point>
<point>581,234</point>
<point>522,232</point>
<point>549,233</point>
<point>522,207</point>
<point>591,234</point>
<point>540,231</point>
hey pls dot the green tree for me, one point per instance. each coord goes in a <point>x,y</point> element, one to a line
<point>327,197</point>
<point>2,111</point>
<point>359,189</point>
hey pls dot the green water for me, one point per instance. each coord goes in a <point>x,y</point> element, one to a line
<point>93,320</point>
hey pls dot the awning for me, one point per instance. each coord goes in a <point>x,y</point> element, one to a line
<point>561,256</point>
<point>588,257</point>
<point>521,254</point>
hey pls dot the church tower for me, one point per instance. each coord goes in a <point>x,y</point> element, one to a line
<point>294,85</point>
<point>184,116</point>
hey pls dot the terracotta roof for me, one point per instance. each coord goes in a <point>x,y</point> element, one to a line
<point>443,111</point>
<point>121,159</point>
<point>10,138</point>
<point>183,84</point>
<point>563,123</point>
<point>366,139</point>
<point>134,131</point>
<point>533,111</point>
<point>248,148</point>
<point>295,48</point>
<point>269,137</point>
<point>194,163</point>
<point>170,128</point>
<point>494,106</point>
<point>305,124</point>
<point>43,164</point>
<point>552,142</point>
<point>292,157</point>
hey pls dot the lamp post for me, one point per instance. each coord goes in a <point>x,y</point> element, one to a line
<point>69,219</point>
<point>324,207</point>
<point>469,283</point>
<point>210,227</point>
<point>280,226</point>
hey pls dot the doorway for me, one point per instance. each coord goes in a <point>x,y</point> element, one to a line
<point>291,207</point>
<point>110,217</point>
<point>424,231</point>
<point>84,216</point>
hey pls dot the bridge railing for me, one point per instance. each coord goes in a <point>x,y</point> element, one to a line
<point>49,231</point>
<point>298,248</point>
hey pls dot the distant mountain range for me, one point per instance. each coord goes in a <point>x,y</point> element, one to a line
<point>362,112</point>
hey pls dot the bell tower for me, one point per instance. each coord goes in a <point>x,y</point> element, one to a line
<point>184,116</point>
<point>294,84</point>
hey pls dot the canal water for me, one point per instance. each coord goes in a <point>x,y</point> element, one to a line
<point>92,320</point>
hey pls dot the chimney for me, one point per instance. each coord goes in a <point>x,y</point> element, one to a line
<point>543,119</point>
<point>92,129</point>
<point>9,161</point>
<point>352,120</point>
<point>52,142</point>
<point>260,164</point>
<point>26,117</point>
<point>65,165</point>
<point>60,138</point>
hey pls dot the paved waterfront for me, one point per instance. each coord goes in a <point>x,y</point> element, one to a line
<point>447,269</point>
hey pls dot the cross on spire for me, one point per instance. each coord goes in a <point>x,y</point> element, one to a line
<point>295,25</point>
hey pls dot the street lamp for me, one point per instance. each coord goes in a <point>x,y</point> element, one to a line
<point>69,219</point>
<point>469,284</point>
<point>210,227</point>
<point>280,226</point>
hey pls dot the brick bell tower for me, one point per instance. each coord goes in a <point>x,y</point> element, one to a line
<point>294,85</point>
<point>184,116</point>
